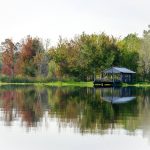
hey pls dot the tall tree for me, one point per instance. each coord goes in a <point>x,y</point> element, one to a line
<point>129,51</point>
<point>144,63</point>
<point>9,49</point>
<point>27,64</point>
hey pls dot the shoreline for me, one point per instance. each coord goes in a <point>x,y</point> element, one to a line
<point>72,83</point>
<point>55,83</point>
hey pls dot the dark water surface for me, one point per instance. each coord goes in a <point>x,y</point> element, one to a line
<point>71,118</point>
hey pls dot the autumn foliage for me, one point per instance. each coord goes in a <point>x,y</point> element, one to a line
<point>8,49</point>
<point>80,59</point>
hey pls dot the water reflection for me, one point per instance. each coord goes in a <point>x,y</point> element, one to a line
<point>83,109</point>
<point>118,95</point>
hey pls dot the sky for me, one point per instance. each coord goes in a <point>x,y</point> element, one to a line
<point>49,19</point>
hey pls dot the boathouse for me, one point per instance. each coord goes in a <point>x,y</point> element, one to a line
<point>115,75</point>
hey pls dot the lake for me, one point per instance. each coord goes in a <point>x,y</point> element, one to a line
<point>64,118</point>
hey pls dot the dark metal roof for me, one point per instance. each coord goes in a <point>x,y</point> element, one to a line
<point>118,70</point>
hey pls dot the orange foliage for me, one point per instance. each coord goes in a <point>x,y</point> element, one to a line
<point>8,48</point>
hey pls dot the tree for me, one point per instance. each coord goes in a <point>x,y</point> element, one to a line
<point>97,53</point>
<point>9,49</point>
<point>129,51</point>
<point>30,57</point>
<point>144,62</point>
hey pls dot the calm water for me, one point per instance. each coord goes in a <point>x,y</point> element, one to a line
<point>74,118</point>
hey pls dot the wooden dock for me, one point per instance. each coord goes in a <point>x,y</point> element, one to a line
<point>107,83</point>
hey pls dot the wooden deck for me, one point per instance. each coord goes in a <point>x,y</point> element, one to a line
<point>107,83</point>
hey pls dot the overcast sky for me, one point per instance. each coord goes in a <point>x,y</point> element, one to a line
<point>51,18</point>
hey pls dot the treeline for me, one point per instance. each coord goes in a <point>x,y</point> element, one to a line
<point>79,59</point>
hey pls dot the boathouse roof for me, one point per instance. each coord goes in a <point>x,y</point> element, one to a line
<point>118,70</point>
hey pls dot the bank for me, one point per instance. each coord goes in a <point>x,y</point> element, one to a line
<point>55,83</point>
<point>71,83</point>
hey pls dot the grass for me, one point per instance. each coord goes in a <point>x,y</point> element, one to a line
<point>138,84</point>
<point>55,83</point>
<point>19,80</point>
<point>71,83</point>
<point>90,84</point>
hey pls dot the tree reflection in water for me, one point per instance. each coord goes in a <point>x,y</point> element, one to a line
<point>83,109</point>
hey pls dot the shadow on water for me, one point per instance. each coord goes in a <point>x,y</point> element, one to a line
<point>86,110</point>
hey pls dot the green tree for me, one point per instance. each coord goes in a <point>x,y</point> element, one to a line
<point>144,62</point>
<point>129,51</point>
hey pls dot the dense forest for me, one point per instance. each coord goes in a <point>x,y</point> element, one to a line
<point>76,59</point>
